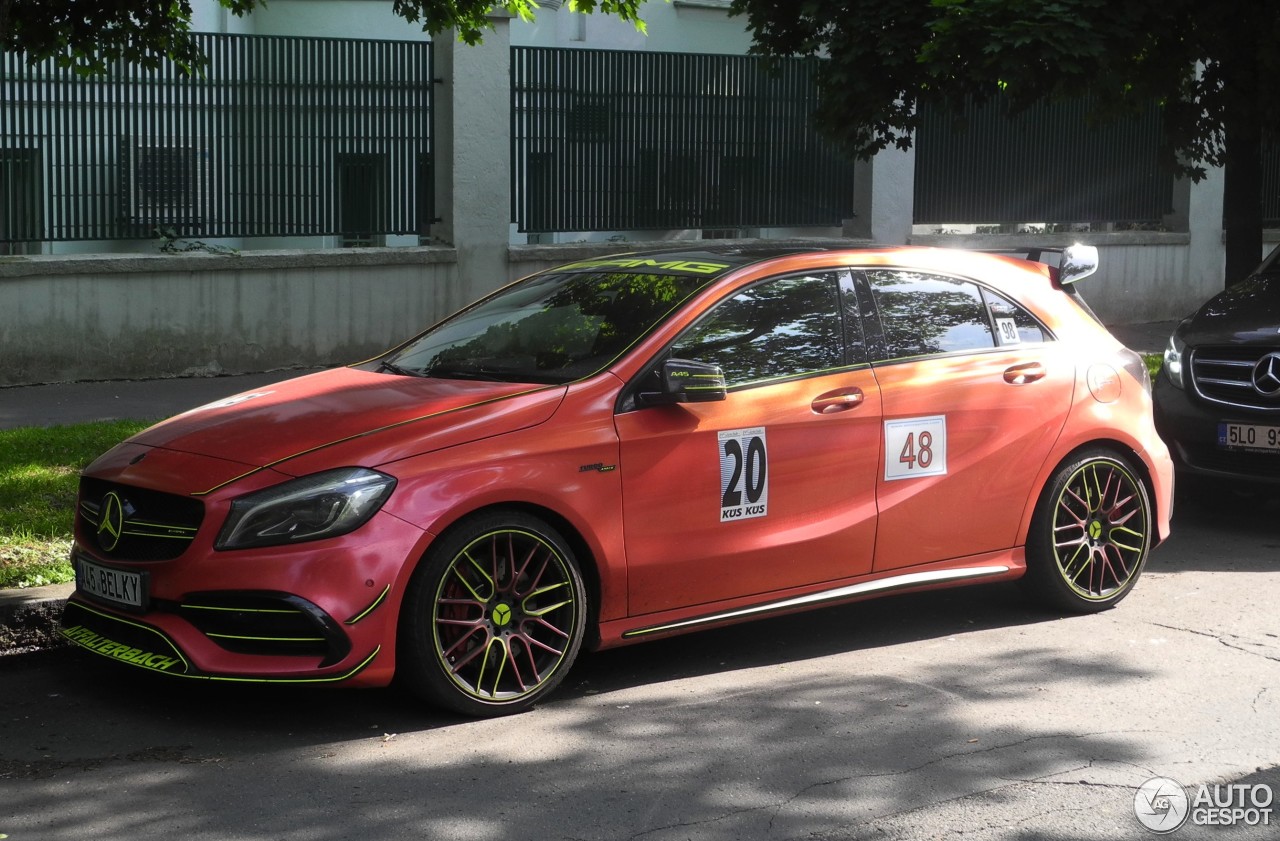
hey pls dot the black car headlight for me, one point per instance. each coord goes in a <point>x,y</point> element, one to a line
<point>1173,360</point>
<point>308,508</point>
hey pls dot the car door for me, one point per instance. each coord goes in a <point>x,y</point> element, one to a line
<point>774,486</point>
<point>974,393</point>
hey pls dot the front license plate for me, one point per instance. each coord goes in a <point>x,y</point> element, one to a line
<point>1248,436</point>
<point>113,586</point>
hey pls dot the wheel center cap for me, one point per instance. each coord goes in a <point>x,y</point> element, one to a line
<point>1095,529</point>
<point>501,614</point>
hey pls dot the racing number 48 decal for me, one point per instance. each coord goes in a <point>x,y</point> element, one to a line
<point>744,474</point>
<point>915,447</point>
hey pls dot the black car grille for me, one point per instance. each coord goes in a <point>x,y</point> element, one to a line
<point>1237,376</point>
<point>266,623</point>
<point>136,524</point>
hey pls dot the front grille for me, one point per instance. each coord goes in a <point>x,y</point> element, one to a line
<point>266,623</point>
<point>135,524</point>
<point>1227,375</point>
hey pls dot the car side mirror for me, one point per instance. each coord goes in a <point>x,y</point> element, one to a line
<point>687,381</point>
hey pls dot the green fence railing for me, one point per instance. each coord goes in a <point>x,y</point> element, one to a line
<point>1045,164</point>
<point>611,140</point>
<point>280,136</point>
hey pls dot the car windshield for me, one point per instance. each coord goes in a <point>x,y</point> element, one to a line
<point>549,328</point>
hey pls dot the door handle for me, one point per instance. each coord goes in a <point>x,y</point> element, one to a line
<point>1023,374</point>
<point>837,401</point>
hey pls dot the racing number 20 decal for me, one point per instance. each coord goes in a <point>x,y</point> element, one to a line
<point>744,474</point>
<point>915,447</point>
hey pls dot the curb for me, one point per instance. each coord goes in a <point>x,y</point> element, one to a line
<point>29,618</point>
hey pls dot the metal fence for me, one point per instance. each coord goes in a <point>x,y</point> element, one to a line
<point>608,140</point>
<point>280,136</point>
<point>1271,182</point>
<point>1047,164</point>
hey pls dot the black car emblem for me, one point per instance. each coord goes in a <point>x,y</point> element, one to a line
<point>111,526</point>
<point>1266,375</point>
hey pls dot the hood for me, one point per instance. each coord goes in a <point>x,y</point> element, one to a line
<point>279,422</point>
<point>1247,313</point>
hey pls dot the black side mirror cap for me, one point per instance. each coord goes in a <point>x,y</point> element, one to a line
<point>687,381</point>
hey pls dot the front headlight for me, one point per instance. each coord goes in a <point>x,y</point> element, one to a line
<point>1173,358</point>
<point>309,508</point>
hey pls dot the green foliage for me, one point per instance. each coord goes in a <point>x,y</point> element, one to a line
<point>887,59</point>
<point>1214,68</point>
<point>471,17</point>
<point>90,35</point>
<point>1154,361</point>
<point>39,473</point>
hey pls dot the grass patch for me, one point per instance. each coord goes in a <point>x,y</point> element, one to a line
<point>39,471</point>
<point>1155,361</point>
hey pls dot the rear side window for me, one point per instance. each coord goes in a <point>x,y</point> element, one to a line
<point>1014,325</point>
<point>925,315</point>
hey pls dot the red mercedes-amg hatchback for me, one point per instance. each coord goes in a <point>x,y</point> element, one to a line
<point>628,448</point>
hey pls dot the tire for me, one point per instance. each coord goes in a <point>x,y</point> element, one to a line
<point>493,616</point>
<point>1090,535</point>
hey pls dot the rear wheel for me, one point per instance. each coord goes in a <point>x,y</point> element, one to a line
<point>493,617</point>
<point>1090,535</point>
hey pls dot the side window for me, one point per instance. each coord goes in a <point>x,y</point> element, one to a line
<point>924,314</point>
<point>779,328</point>
<point>1014,325</point>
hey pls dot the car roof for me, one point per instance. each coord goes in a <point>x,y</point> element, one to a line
<point>707,261</point>
<point>713,260</point>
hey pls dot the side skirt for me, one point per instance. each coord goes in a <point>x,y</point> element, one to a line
<point>1001,566</point>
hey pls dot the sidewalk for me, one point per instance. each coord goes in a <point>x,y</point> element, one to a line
<point>66,403</point>
<point>1145,338</point>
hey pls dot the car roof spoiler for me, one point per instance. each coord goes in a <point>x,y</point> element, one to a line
<point>1074,263</point>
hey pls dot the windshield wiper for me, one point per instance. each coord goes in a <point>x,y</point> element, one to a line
<point>396,369</point>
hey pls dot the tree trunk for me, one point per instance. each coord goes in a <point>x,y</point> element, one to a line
<point>1242,206</point>
<point>1242,128</point>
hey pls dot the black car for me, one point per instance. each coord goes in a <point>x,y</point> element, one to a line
<point>1217,402</point>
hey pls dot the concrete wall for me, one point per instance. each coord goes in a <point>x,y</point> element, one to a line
<point>138,316</point>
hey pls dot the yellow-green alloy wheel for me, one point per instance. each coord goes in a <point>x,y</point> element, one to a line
<point>494,616</point>
<point>1091,534</point>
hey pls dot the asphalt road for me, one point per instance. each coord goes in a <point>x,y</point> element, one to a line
<point>950,715</point>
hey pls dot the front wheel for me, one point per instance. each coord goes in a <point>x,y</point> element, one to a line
<point>493,617</point>
<point>1090,535</point>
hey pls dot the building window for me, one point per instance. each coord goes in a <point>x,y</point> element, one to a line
<point>168,182</point>
<point>362,199</point>
<point>21,201</point>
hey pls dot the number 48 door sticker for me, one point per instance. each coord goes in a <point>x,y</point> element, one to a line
<point>744,474</point>
<point>915,447</point>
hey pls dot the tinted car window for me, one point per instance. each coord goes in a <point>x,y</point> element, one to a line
<point>548,328</point>
<point>780,328</point>
<point>925,314</point>
<point>1014,325</point>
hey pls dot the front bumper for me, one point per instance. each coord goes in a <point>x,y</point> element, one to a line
<point>139,642</point>
<point>1189,425</point>
<point>317,612</point>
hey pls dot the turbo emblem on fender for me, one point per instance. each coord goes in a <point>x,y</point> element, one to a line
<point>111,526</point>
